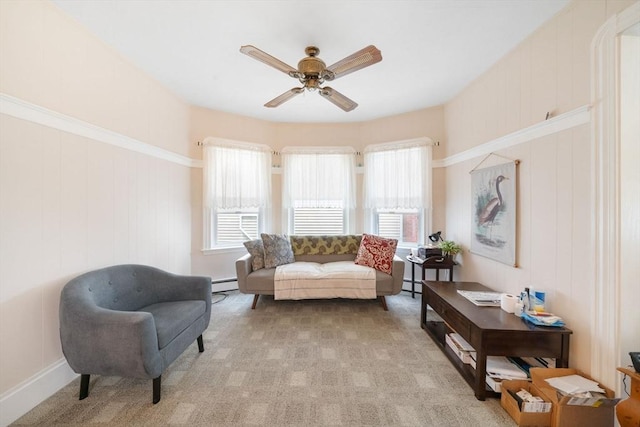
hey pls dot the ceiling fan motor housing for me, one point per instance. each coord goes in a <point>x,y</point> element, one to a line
<point>311,65</point>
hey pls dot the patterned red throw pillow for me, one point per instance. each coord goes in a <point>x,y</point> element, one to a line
<point>376,252</point>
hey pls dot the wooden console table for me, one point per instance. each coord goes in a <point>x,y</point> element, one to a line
<point>491,331</point>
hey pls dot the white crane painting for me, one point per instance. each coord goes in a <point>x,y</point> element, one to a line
<point>493,228</point>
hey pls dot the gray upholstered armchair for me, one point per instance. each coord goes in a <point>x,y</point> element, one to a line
<point>131,321</point>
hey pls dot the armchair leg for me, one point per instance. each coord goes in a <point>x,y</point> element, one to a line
<point>200,344</point>
<point>84,386</point>
<point>383,302</point>
<point>156,389</point>
<point>255,301</point>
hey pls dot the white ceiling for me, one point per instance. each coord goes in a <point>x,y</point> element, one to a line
<point>431,49</point>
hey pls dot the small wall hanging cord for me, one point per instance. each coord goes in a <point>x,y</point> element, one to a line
<point>516,161</point>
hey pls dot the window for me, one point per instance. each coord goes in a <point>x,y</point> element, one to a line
<point>318,221</point>
<point>236,226</point>
<point>319,189</point>
<point>403,225</point>
<point>237,191</point>
<point>397,189</point>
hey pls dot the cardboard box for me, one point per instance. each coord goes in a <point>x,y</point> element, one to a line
<point>523,419</point>
<point>572,412</point>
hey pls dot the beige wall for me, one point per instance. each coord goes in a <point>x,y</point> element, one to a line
<point>68,203</point>
<point>206,123</point>
<point>548,72</point>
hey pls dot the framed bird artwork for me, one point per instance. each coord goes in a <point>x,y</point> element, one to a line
<point>493,227</point>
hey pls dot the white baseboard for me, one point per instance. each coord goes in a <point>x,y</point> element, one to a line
<point>24,397</point>
<point>226,286</point>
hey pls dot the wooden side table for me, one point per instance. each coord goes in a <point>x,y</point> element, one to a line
<point>436,262</point>
<point>628,411</point>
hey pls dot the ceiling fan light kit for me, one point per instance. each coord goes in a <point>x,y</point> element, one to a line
<point>312,72</point>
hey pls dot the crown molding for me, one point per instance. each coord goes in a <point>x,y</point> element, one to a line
<point>24,110</point>
<point>565,121</point>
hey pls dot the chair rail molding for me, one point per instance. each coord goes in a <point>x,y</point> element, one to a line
<point>24,110</point>
<point>568,120</point>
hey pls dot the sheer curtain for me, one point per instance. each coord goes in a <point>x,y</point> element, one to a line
<point>318,177</point>
<point>237,175</point>
<point>398,175</point>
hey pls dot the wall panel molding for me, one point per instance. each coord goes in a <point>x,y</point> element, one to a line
<point>565,121</point>
<point>24,110</point>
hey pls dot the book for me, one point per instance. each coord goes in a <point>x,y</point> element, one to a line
<point>482,299</point>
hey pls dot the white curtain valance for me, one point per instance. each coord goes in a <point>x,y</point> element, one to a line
<point>237,176</point>
<point>318,177</point>
<point>398,178</point>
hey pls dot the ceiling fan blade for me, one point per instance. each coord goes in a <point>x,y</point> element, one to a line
<point>337,98</point>
<point>362,58</point>
<point>264,57</point>
<point>284,97</point>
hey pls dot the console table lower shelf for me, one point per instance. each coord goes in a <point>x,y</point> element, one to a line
<point>491,331</point>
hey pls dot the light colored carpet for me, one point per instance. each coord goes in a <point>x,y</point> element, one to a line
<point>291,363</point>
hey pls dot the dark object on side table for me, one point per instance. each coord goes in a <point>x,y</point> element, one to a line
<point>635,359</point>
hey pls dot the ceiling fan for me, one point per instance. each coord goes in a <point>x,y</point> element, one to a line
<point>312,72</point>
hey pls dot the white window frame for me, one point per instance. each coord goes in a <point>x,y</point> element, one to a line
<point>321,197</point>
<point>401,242</point>
<point>418,174</point>
<point>303,229</point>
<point>252,199</point>
<point>215,223</point>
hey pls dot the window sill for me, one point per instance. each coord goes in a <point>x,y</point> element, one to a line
<point>222,250</point>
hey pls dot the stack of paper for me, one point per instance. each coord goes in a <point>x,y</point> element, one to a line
<point>574,384</point>
<point>482,299</point>
<point>501,367</point>
<point>461,348</point>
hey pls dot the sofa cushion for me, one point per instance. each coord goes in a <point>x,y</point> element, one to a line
<point>277,250</point>
<point>377,252</point>
<point>325,245</point>
<point>256,249</point>
<point>171,318</point>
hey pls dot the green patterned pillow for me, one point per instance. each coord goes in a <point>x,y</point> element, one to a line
<point>325,245</point>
